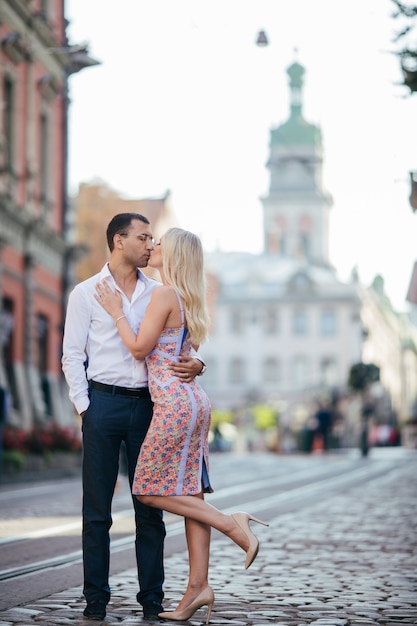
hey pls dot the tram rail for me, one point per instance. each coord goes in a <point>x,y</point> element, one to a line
<point>297,493</point>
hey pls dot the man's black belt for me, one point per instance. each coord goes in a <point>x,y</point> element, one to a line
<point>139,392</point>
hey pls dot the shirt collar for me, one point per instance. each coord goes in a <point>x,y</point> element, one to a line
<point>105,274</point>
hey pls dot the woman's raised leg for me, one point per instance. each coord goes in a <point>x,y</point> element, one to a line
<point>236,528</point>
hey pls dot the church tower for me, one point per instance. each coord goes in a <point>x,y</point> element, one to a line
<point>296,209</point>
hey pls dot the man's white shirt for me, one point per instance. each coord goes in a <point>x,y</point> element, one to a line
<point>92,347</point>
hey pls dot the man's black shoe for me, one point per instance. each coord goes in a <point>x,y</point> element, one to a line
<point>151,610</point>
<point>96,609</point>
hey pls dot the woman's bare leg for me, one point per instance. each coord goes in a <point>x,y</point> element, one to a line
<point>198,543</point>
<point>197,509</point>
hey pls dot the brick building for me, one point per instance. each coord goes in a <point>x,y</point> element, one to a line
<point>36,61</point>
<point>95,205</point>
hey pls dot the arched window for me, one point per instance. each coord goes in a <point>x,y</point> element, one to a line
<point>328,323</point>
<point>300,322</point>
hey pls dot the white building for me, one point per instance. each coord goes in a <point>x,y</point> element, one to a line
<point>285,328</point>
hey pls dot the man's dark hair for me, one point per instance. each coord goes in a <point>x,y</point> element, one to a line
<point>121,223</point>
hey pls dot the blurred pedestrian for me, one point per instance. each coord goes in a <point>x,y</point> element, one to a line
<point>172,473</point>
<point>367,412</point>
<point>323,419</point>
<point>109,389</point>
<point>3,417</point>
<point>217,443</point>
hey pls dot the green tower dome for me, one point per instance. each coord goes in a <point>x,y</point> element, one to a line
<point>296,130</point>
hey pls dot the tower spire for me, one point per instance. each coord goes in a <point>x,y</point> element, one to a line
<point>296,75</point>
<point>297,207</point>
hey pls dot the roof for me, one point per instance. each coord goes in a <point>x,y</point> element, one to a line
<point>242,275</point>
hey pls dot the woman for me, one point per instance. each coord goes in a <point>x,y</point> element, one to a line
<point>172,469</point>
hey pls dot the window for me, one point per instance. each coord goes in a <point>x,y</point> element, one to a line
<point>300,282</point>
<point>42,360</point>
<point>328,322</point>
<point>271,370</point>
<point>237,371</point>
<point>271,325</point>
<point>305,244</point>
<point>45,8</point>
<point>272,243</point>
<point>7,335</point>
<point>300,322</point>
<point>276,240</point>
<point>210,375</point>
<point>8,123</point>
<point>305,228</point>
<point>236,321</point>
<point>329,371</point>
<point>45,160</point>
<point>300,371</point>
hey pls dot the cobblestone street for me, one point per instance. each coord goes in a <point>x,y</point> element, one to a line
<point>351,559</point>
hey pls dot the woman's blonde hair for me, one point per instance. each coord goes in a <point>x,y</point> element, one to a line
<point>183,262</point>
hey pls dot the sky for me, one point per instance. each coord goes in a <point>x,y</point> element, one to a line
<point>184,100</point>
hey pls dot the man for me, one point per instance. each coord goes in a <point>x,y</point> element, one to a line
<point>324,423</point>
<point>4,401</point>
<point>109,390</point>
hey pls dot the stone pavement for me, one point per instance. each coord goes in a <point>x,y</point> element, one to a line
<point>348,560</point>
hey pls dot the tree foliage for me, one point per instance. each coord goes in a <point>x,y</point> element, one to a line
<point>361,375</point>
<point>407,13</point>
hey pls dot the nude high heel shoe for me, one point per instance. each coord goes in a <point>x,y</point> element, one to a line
<point>243,520</point>
<point>206,597</point>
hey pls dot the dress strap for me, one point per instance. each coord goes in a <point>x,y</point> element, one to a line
<point>181,307</point>
<point>184,330</point>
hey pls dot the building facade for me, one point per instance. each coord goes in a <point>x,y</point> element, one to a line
<point>285,329</point>
<point>35,64</point>
<point>93,208</point>
<point>390,341</point>
<point>284,325</point>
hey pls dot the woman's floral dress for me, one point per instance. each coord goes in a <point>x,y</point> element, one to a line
<point>174,456</point>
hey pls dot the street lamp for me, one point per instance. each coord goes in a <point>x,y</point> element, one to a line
<point>262,39</point>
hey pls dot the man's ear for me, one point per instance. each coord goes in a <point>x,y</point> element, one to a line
<point>118,241</point>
